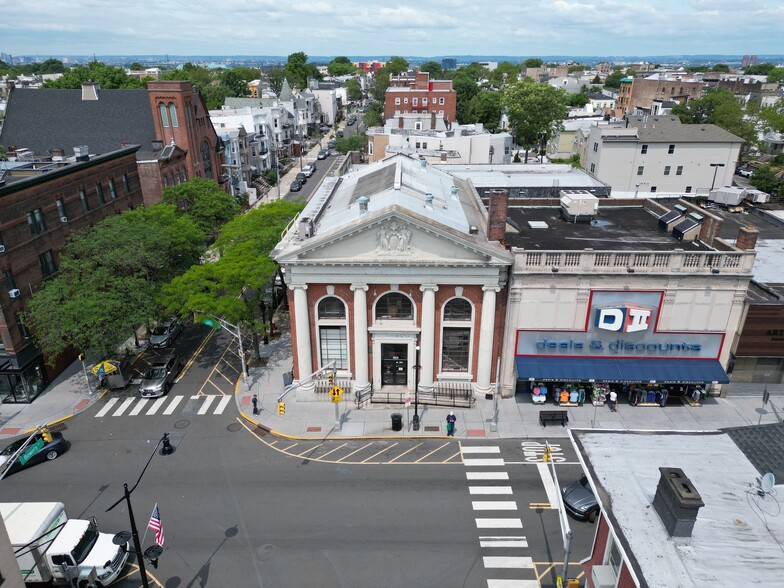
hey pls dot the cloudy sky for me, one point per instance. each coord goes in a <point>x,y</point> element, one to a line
<point>404,27</point>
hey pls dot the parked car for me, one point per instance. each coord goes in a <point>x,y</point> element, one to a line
<point>163,335</point>
<point>339,134</point>
<point>309,169</point>
<point>158,379</point>
<point>351,120</point>
<point>580,501</point>
<point>744,172</point>
<point>324,128</point>
<point>47,452</point>
<point>301,178</point>
<point>323,154</point>
<point>331,144</point>
<point>295,186</point>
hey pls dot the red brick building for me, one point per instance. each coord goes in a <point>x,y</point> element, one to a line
<point>42,204</point>
<point>420,94</point>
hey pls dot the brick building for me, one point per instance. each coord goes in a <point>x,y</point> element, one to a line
<point>419,94</point>
<point>42,204</point>
<point>637,95</point>
<point>169,120</point>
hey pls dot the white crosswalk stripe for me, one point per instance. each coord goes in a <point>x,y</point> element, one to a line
<point>487,475</point>
<point>480,449</point>
<point>494,505</point>
<point>507,562</point>
<point>490,490</point>
<point>499,523</point>
<point>512,584</point>
<point>490,462</point>
<point>503,541</point>
<point>131,407</point>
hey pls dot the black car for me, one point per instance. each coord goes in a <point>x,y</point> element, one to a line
<point>351,120</point>
<point>46,452</point>
<point>301,178</point>
<point>579,500</point>
<point>295,186</point>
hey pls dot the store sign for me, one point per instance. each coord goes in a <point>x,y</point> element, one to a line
<point>621,324</point>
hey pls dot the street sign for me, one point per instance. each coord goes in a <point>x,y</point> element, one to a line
<point>407,399</point>
<point>336,392</point>
<point>31,451</point>
<point>212,323</point>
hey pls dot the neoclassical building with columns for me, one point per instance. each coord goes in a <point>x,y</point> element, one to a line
<point>392,263</point>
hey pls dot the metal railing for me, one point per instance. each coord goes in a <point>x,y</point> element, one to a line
<point>454,394</point>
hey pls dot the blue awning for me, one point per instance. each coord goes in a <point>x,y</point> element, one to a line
<point>609,369</point>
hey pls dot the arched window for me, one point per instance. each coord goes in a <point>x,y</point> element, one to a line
<point>395,306</point>
<point>206,159</point>
<point>164,116</point>
<point>456,329</point>
<point>333,332</point>
<point>173,114</point>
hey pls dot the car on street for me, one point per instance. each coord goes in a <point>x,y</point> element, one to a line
<point>309,169</point>
<point>160,376</point>
<point>744,172</point>
<point>295,186</point>
<point>331,144</point>
<point>301,178</point>
<point>324,128</point>
<point>163,334</point>
<point>339,134</point>
<point>351,120</point>
<point>47,451</point>
<point>323,154</point>
<point>580,501</point>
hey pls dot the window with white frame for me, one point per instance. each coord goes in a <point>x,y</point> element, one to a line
<point>456,335</point>
<point>394,306</point>
<point>414,101</point>
<point>164,115</point>
<point>424,101</point>
<point>441,100</point>
<point>397,100</point>
<point>405,100</point>
<point>333,332</point>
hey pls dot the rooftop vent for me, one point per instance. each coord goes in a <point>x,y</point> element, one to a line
<point>537,225</point>
<point>579,205</point>
<point>82,153</point>
<point>305,228</point>
<point>362,201</point>
<point>677,502</point>
<point>429,201</point>
<point>473,230</point>
<point>453,190</point>
<point>680,208</point>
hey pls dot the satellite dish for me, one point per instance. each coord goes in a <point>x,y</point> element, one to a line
<point>767,483</point>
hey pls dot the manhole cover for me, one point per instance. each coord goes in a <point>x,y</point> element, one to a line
<point>181,424</point>
<point>265,552</point>
<point>234,427</point>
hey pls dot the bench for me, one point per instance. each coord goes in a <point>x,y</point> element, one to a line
<point>553,416</point>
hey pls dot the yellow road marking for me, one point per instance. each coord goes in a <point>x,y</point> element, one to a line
<point>196,353</point>
<point>290,447</point>
<point>458,454</point>
<point>224,377</point>
<point>357,451</point>
<point>379,453</point>
<point>326,454</point>
<point>208,381</point>
<point>546,571</point>
<point>544,505</point>
<point>432,452</point>
<point>402,454</point>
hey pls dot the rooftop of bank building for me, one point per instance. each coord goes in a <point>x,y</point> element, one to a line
<point>612,229</point>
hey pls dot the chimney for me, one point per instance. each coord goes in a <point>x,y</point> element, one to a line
<point>433,121</point>
<point>82,153</point>
<point>400,122</point>
<point>58,154</point>
<point>677,502</point>
<point>496,216</point>
<point>90,90</point>
<point>443,157</point>
<point>747,237</point>
<point>362,201</point>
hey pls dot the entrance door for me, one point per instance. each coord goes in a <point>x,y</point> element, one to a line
<point>394,365</point>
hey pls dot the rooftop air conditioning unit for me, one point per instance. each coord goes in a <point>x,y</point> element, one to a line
<point>63,219</point>
<point>603,577</point>
<point>14,293</point>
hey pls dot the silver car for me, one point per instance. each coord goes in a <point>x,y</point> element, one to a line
<point>160,376</point>
<point>164,334</point>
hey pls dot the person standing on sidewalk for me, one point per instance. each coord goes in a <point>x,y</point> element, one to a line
<point>255,402</point>
<point>613,399</point>
<point>451,419</point>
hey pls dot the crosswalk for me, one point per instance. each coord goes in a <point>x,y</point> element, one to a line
<point>503,553</point>
<point>166,405</point>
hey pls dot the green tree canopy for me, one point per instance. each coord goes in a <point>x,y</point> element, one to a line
<point>353,89</point>
<point>107,76</point>
<point>764,179</point>
<point>396,65</point>
<point>535,111</point>
<point>485,108</point>
<point>433,68</point>
<point>773,116</point>
<point>275,78</point>
<point>761,69</point>
<point>718,107</point>
<point>351,143</point>
<point>298,70</point>
<point>577,100</point>
<point>235,83</point>
<point>466,88</point>
<point>374,117</point>
<point>109,278</point>
<point>505,72</point>
<point>475,71</point>
<point>614,79</point>
<point>380,84</point>
<point>340,66</point>
<point>204,200</point>
<point>533,62</point>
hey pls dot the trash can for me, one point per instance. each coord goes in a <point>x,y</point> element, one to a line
<point>397,421</point>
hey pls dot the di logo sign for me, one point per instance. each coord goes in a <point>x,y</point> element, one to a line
<point>623,319</point>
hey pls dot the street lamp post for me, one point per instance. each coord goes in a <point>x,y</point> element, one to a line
<point>166,449</point>
<point>415,420</point>
<point>715,167</point>
<point>234,330</point>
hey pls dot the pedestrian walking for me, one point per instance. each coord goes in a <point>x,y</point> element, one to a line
<point>451,419</point>
<point>613,399</point>
<point>255,402</point>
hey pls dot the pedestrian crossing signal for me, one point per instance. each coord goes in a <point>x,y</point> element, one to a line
<point>331,378</point>
<point>281,408</point>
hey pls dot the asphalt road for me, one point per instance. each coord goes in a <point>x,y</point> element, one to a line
<point>242,508</point>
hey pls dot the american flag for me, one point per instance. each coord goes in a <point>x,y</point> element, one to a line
<point>155,525</point>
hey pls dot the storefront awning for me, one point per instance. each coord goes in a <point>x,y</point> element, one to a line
<point>585,369</point>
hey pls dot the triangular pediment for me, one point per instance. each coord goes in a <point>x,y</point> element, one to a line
<point>396,237</point>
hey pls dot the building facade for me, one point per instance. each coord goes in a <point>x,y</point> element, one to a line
<point>420,94</point>
<point>637,94</point>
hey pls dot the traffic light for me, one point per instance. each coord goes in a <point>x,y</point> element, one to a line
<point>331,378</point>
<point>281,408</point>
<point>47,436</point>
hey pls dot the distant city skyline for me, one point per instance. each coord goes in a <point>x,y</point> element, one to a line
<point>410,27</point>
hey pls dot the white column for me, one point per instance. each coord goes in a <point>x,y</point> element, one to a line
<point>302,321</point>
<point>360,336</point>
<point>486,330</point>
<point>427,341</point>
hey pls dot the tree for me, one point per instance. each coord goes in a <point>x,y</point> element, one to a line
<point>396,65</point>
<point>718,107</point>
<point>374,117</point>
<point>466,88</point>
<point>474,70</point>
<point>776,75</point>
<point>353,89</point>
<point>596,79</point>
<point>535,111</point>
<point>433,68</point>
<point>506,71</point>
<point>341,66</point>
<point>533,62</point>
<point>485,108</point>
<point>205,201</point>
<point>136,66</point>
<point>107,76</point>
<point>233,285</point>
<point>270,176</point>
<point>764,179</point>
<point>275,78</point>
<point>721,67</point>
<point>109,279</point>
<point>761,69</point>
<point>380,84</point>
<point>298,70</point>
<point>773,116</point>
<point>235,84</point>
<point>351,143</point>
<point>614,79</point>
<point>576,67</point>
<point>577,100</point>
